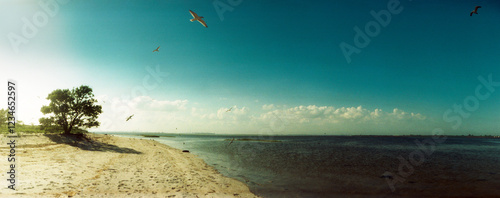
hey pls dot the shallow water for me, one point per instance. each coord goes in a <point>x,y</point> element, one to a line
<point>322,166</point>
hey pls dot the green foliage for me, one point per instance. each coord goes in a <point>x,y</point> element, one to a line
<point>20,127</point>
<point>48,125</point>
<point>71,110</point>
<point>24,128</point>
<point>3,117</point>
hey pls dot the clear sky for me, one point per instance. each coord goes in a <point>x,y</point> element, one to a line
<point>282,66</point>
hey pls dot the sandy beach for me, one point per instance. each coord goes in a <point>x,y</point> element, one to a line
<point>109,166</point>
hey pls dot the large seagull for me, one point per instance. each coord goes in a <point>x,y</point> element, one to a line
<point>475,10</point>
<point>197,18</point>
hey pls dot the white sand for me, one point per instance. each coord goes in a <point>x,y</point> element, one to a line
<point>109,166</point>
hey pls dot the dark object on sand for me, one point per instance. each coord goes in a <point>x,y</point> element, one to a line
<point>185,151</point>
<point>386,175</point>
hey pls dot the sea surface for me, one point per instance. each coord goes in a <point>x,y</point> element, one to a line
<point>324,166</point>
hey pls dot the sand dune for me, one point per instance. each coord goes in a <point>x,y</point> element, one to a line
<point>108,166</point>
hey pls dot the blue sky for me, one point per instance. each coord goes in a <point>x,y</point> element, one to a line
<point>278,64</point>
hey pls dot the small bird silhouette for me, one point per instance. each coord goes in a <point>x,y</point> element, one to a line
<point>130,117</point>
<point>229,109</point>
<point>475,10</point>
<point>230,142</point>
<point>157,49</point>
<point>197,18</point>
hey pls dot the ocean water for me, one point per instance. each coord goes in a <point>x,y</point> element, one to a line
<point>325,166</point>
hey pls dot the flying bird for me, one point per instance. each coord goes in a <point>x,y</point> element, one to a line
<point>229,109</point>
<point>157,49</point>
<point>130,117</point>
<point>475,10</point>
<point>230,142</point>
<point>197,18</point>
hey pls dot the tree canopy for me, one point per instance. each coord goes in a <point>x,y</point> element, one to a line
<point>71,110</point>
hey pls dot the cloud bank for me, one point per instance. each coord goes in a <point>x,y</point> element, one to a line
<point>153,115</point>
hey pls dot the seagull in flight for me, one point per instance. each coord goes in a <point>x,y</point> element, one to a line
<point>197,18</point>
<point>475,10</point>
<point>157,49</point>
<point>230,142</point>
<point>130,117</point>
<point>229,109</point>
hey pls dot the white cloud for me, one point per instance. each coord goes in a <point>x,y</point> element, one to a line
<point>401,115</point>
<point>302,114</point>
<point>268,107</point>
<point>269,119</point>
<point>235,113</point>
<point>146,103</point>
<point>342,120</point>
<point>160,115</point>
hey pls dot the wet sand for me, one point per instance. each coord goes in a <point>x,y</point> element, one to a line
<point>109,166</point>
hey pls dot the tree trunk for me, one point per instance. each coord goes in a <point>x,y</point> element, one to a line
<point>67,130</point>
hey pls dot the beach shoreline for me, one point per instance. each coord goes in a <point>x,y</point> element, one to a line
<point>110,166</point>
